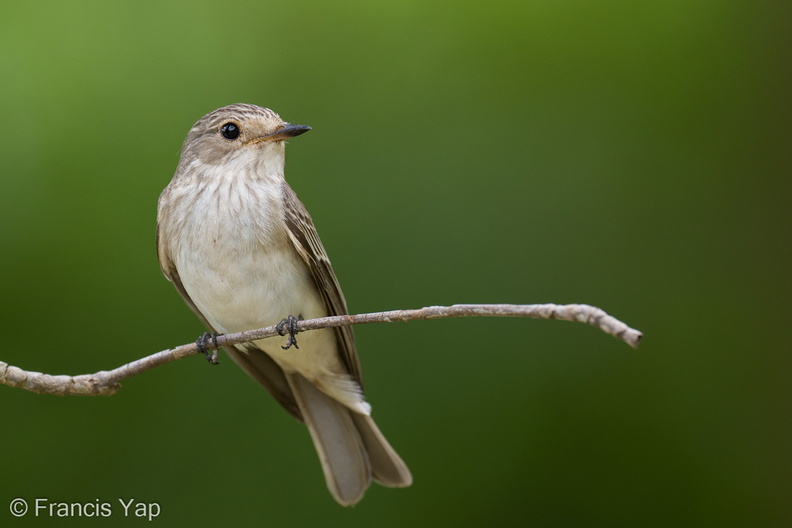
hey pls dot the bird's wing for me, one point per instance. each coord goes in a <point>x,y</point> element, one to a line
<point>306,241</point>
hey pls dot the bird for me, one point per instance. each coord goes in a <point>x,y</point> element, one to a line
<point>243,252</point>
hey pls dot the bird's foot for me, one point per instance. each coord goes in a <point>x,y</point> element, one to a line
<point>203,346</point>
<point>289,326</point>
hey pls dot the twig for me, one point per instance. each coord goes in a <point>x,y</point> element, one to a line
<point>106,383</point>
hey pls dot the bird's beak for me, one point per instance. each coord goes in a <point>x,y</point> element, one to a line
<point>286,131</point>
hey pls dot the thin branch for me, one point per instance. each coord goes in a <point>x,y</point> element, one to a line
<point>106,383</point>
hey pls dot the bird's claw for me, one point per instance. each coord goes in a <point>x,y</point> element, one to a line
<point>288,326</point>
<point>203,346</point>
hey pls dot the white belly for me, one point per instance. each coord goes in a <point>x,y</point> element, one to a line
<point>242,272</point>
<point>256,291</point>
<point>247,290</point>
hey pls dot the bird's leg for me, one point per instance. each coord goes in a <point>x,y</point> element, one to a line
<point>289,325</point>
<point>203,346</point>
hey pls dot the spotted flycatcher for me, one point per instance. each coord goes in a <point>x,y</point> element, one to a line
<point>243,253</point>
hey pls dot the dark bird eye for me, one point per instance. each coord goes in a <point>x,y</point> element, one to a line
<point>230,131</point>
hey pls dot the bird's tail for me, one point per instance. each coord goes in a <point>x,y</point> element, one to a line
<point>351,448</point>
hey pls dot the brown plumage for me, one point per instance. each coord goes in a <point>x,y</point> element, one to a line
<point>243,252</point>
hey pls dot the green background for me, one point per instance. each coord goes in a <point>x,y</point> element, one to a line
<point>630,155</point>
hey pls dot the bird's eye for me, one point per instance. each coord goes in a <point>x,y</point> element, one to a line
<point>230,131</point>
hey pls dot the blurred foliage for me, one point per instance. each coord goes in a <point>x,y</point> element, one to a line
<point>630,155</point>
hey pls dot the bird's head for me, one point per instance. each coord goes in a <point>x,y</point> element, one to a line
<point>236,132</point>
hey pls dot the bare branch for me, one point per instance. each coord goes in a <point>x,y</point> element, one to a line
<point>106,383</point>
